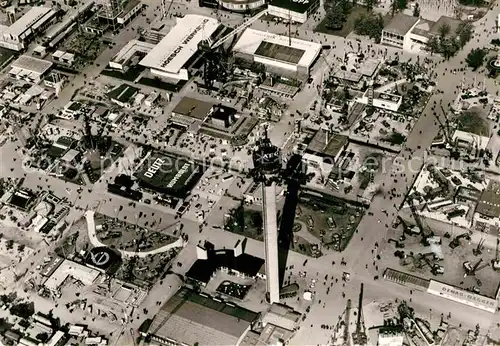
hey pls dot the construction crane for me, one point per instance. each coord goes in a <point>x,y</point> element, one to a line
<point>215,58</point>
<point>209,44</point>
<point>496,261</point>
<point>479,248</point>
<point>165,12</point>
<point>456,241</point>
<point>471,270</point>
<point>426,233</point>
<point>359,336</point>
<point>347,340</point>
<point>36,129</point>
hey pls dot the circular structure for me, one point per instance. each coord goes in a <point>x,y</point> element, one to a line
<point>103,258</point>
<point>266,157</point>
<point>100,258</point>
<point>494,66</point>
<point>241,5</point>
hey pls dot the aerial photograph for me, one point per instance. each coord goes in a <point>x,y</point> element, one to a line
<point>250,172</point>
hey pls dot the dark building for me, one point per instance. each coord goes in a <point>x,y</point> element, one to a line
<point>233,260</point>
<point>222,116</point>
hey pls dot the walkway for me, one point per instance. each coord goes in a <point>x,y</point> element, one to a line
<point>89,216</point>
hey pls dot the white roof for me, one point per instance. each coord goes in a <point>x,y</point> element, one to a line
<point>58,54</point>
<point>462,296</point>
<point>480,141</point>
<point>34,18</point>
<point>251,39</point>
<point>39,49</point>
<point>130,49</point>
<point>180,44</point>
<point>69,268</point>
<point>31,64</point>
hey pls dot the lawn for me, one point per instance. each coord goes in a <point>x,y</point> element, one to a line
<point>348,25</point>
<point>246,222</point>
<point>474,123</point>
<point>332,221</point>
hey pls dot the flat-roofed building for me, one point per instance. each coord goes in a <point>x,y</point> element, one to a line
<point>18,35</point>
<point>412,33</point>
<point>460,295</point>
<point>29,68</point>
<point>382,100</point>
<point>294,10</point>
<point>170,56</point>
<point>130,10</point>
<point>87,276</point>
<point>327,145</point>
<point>63,57</point>
<point>396,33</point>
<point>190,318</point>
<point>489,202</point>
<point>276,54</point>
<point>132,49</point>
<point>190,110</point>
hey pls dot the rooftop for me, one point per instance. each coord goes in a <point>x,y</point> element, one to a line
<point>189,318</point>
<point>222,112</point>
<point>32,64</point>
<point>279,52</point>
<point>489,202</point>
<point>401,24</point>
<point>84,274</point>
<point>181,43</point>
<point>276,47</point>
<point>123,93</point>
<point>34,18</point>
<point>443,20</point>
<point>202,270</point>
<point>327,144</point>
<point>130,49</point>
<point>193,108</point>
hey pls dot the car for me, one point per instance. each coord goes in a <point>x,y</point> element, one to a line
<point>147,201</point>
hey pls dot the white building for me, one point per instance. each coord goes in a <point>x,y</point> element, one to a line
<point>170,55</point>
<point>385,101</point>
<point>18,35</point>
<point>29,68</point>
<point>396,33</point>
<point>87,276</point>
<point>132,8</point>
<point>412,33</point>
<point>293,10</point>
<point>64,57</point>
<point>275,53</point>
<point>462,296</point>
<point>132,49</point>
<point>241,5</point>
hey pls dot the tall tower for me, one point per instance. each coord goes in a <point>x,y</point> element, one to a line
<point>267,162</point>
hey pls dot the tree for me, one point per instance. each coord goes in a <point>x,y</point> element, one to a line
<point>402,4</point>
<point>471,2</point>
<point>464,32</point>
<point>334,18</point>
<point>475,58</point>
<point>369,5</point>
<point>369,25</point>
<point>23,310</point>
<point>416,11</point>
<point>444,30</point>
